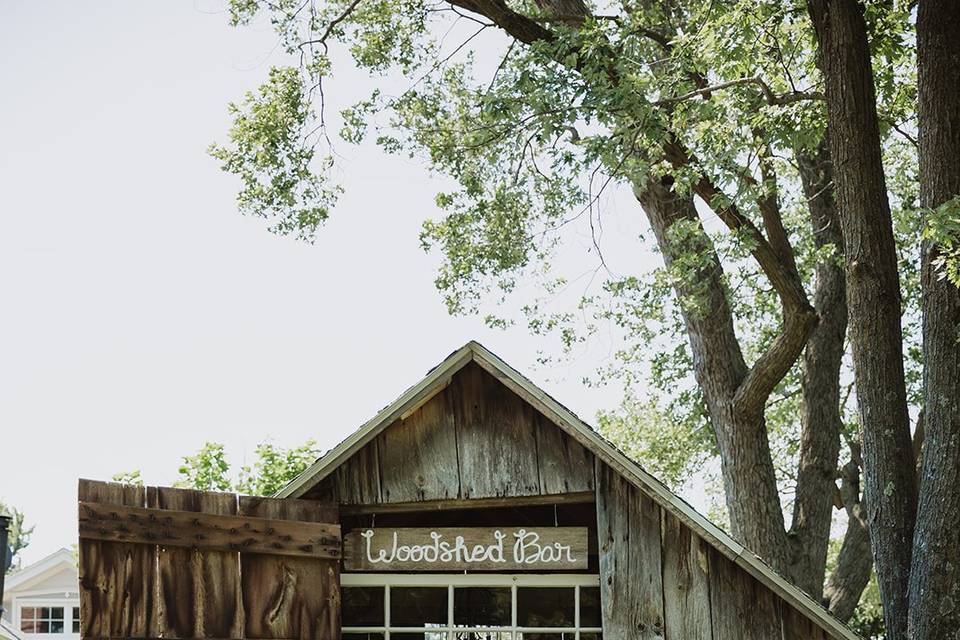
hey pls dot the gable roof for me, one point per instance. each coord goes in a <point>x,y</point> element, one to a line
<point>7,632</point>
<point>439,377</point>
<point>32,573</point>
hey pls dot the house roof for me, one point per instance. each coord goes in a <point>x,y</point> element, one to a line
<point>438,378</point>
<point>7,632</point>
<point>31,573</point>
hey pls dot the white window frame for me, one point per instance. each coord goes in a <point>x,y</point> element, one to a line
<point>68,606</point>
<point>451,581</point>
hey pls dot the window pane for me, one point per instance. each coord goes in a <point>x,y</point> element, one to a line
<point>590,607</point>
<point>481,606</point>
<point>56,626</point>
<point>591,636</point>
<point>362,606</point>
<point>28,626</point>
<point>421,635</point>
<point>483,635</point>
<point>362,636</point>
<point>568,635</point>
<point>42,627</point>
<point>28,613</point>
<point>56,613</point>
<point>418,607</point>
<point>76,619</point>
<point>545,607</point>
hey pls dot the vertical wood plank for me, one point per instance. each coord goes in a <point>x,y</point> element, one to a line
<point>199,592</point>
<point>286,597</point>
<point>631,587</point>
<point>686,587</point>
<point>725,606</point>
<point>797,626</point>
<point>564,465</point>
<point>646,576</point>
<point>496,437</point>
<point>740,607</point>
<point>324,491</point>
<point>613,509</point>
<point>117,580</point>
<point>418,455</point>
<point>357,481</point>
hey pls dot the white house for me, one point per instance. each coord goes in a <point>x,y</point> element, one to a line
<point>41,601</point>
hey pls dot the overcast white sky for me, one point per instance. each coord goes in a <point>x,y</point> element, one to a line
<point>140,314</point>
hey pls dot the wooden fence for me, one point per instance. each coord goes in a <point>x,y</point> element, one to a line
<point>159,562</point>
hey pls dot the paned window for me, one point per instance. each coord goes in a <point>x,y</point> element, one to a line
<point>470,607</point>
<point>41,619</point>
<point>50,619</point>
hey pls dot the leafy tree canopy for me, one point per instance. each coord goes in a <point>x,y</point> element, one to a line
<point>533,125</point>
<point>18,534</point>
<point>209,470</point>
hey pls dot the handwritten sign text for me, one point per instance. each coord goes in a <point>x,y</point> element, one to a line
<point>451,549</point>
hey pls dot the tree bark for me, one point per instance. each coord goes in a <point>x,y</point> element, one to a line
<point>873,298</point>
<point>854,565</point>
<point>750,488</point>
<point>821,419</point>
<point>855,561</point>
<point>935,573</point>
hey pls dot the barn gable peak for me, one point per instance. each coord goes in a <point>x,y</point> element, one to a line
<point>457,380</point>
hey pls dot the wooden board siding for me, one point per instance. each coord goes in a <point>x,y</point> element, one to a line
<point>117,579</point>
<point>475,439</point>
<point>659,580</point>
<point>207,531</point>
<point>157,562</point>
<point>358,480</point>
<point>564,465</point>
<point>418,455</point>
<point>741,608</point>
<point>496,438</point>
<point>287,597</point>
<point>209,581</point>
<point>797,626</point>
<point>686,581</point>
<point>631,584</point>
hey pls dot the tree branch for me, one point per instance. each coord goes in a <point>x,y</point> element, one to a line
<point>519,26</point>
<point>768,93</point>
<point>769,205</point>
<point>799,316</point>
<point>817,494</point>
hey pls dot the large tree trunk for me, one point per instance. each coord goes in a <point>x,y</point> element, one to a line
<point>873,298</point>
<point>935,574</point>
<point>747,466</point>
<point>821,420</point>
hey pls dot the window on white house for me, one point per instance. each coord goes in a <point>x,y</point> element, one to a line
<point>470,607</point>
<point>41,619</point>
<point>50,619</point>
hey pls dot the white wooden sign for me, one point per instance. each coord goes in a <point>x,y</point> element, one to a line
<point>462,549</point>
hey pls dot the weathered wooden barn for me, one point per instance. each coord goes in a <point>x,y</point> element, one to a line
<point>475,507</point>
